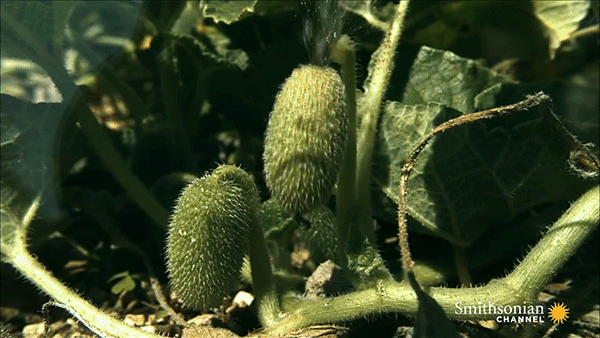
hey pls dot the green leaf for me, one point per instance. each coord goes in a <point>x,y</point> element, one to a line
<point>494,30</point>
<point>26,80</point>
<point>27,140</point>
<point>206,58</point>
<point>61,10</point>
<point>366,267</point>
<point>28,132</point>
<point>31,129</point>
<point>34,30</point>
<point>446,78</point>
<point>561,18</point>
<point>125,284</point>
<point>275,7</point>
<point>279,229</point>
<point>474,177</point>
<point>226,11</point>
<point>13,45</point>
<point>160,314</point>
<point>36,16</point>
<point>44,20</point>
<point>120,275</point>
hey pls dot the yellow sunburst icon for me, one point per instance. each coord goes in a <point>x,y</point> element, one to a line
<point>558,313</point>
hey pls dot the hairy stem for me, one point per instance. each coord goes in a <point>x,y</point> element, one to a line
<point>560,242</point>
<point>371,107</point>
<point>263,282</point>
<point>117,166</point>
<point>345,55</point>
<point>462,265</point>
<point>531,101</point>
<point>552,251</point>
<point>168,83</point>
<point>96,320</point>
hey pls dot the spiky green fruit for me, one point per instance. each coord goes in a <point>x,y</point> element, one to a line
<point>305,138</point>
<point>208,235</point>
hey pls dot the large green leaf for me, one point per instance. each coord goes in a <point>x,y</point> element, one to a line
<point>27,140</point>
<point>35,16</point>
<point>443,77</point>
<point>28,132</point>
<point>34,30</point>
<point>494,30</point>
<point>45,21</point>
<point>226,11</point>
<point>473,177</point>
<point>561,18</point>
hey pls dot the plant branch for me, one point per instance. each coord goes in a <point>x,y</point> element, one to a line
<point>531,101</point>
<point>107,151</point>
<point>117,166</point>
<point>581,159</point>
<point>344,54</point>
<point>99,322</point>
<point>263,282</point>
<point>170,90</point>
<point>371,107</point>
<point>93,206</point>
<point>549,254</point>
<point>554,249</point>
<point>96,136</point>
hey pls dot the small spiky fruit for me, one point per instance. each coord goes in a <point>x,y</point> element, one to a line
<point>305,138</point>
<point>208,236</point>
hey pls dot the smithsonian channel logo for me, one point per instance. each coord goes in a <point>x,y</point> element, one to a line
<point>557,312</point>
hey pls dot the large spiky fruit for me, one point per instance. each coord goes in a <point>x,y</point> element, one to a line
<point>305,138</point>
<point>208,236</point>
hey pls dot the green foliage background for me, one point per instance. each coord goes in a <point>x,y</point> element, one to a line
<point>200,93</point>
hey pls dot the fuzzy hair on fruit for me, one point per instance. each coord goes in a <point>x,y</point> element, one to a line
<point>305,138</point>
<point>208,236</point>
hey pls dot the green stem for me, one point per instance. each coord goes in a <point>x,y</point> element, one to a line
<point>488,249</point>
<point>558,244</point>
<point>461,263</point>
<point>99,322</point>
<point>132,100</point>
<point>107,151</point>
<point>95,134</point>
<point>371,106</point>
<point>117,166</point>
<point>263,282</point>
<point>347,176</point>
<point>171,98</point>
